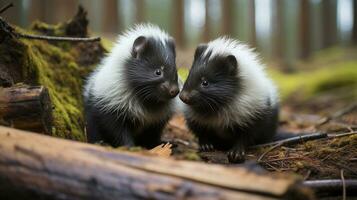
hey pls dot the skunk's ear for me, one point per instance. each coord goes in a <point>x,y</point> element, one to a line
<point>139,46</point>
<point>231,64</point>
<point>200,49</point>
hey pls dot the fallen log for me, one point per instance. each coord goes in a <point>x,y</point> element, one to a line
<point>26,107</point>
<point>41,166</point>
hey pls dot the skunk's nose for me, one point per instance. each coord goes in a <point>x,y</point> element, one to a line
<point>174,91</point>
<point>185,97</point>
<point>171,90</point>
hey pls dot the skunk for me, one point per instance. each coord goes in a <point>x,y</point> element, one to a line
<point>130,97</point>
<point>230,103</point>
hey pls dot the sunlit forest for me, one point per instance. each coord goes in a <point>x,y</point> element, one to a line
<point>53,52</point>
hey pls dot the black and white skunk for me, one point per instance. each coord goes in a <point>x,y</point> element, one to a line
<point>231,103</point>
<point>129,97</point>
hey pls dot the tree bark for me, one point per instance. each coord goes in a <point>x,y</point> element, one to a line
<point>178,22</point>
<point>43,166</point>
<point>26,107</point>
<point>111,21</point>
<point>253,32</point>
<point>140,11</point>
<point>304,29</point>
<point>227,15</point>
<point>207,27</point>
<point>329,16</point>
<point>279,40</point>
<point>354,30</point>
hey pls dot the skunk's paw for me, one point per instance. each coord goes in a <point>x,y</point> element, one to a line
<point>236,154</point>
<point>206,147</point>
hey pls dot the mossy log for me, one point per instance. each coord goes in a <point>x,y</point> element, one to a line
<point>38,166</point>
<point>26,107</point>
<point>61,67</point>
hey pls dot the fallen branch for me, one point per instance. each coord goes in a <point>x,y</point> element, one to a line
<point>59,168</point>
<point>333,186</point>
<point>9,31</point>
<point>53,38</point>
<point>26,107</point>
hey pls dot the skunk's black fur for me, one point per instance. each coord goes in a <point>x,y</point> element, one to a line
<point>129,98</point>
<point>222,110</point>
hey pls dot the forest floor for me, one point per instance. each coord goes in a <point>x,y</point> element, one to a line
<point>332,110</point>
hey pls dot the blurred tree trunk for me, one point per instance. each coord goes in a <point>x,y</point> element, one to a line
<point>253,33</point>
<point>140,10</point>
<point>206,28</point>
<point>59,10</point>
<point>278,30</point>
<point>354,31</point>
<point>227,25</point>
<point>111,22</point>
<point>329,16</point>
<point>304,29</point>
<point>178,22</point>
<point>36,10</point>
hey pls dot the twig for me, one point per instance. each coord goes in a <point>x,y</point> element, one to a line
<point>270,149</point>
<point>341,135</point>
<point>53,38</point>
<point>294,140</point>
<point>307,175</point>
<point>343,185</point>
<point>282,159</point>
<point>3,9</point>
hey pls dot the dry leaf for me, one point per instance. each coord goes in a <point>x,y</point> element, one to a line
<point>163,150</point>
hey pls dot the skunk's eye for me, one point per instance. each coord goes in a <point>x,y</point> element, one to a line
<point>158,72</point>
<point>204,83</point>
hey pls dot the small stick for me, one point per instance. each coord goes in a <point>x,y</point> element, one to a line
<point>270,149</point>
<point>282,159</point>
<point>53,38</point>
<point>343,185</point>
<point>294,140</point>
<point>3,9</point>
<point>341,135</point>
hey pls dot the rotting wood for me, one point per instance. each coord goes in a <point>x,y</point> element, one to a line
<point>26,107</point>
<point>59,168</point>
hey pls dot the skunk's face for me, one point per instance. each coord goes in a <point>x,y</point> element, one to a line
<point>212,83</point>
<point>151,71</point>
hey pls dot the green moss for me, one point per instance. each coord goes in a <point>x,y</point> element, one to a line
<point>311,83</point>
<point>58,72</point>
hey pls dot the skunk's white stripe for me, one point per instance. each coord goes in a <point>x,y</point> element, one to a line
<point>107,85</point>
<point>257,87</point>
